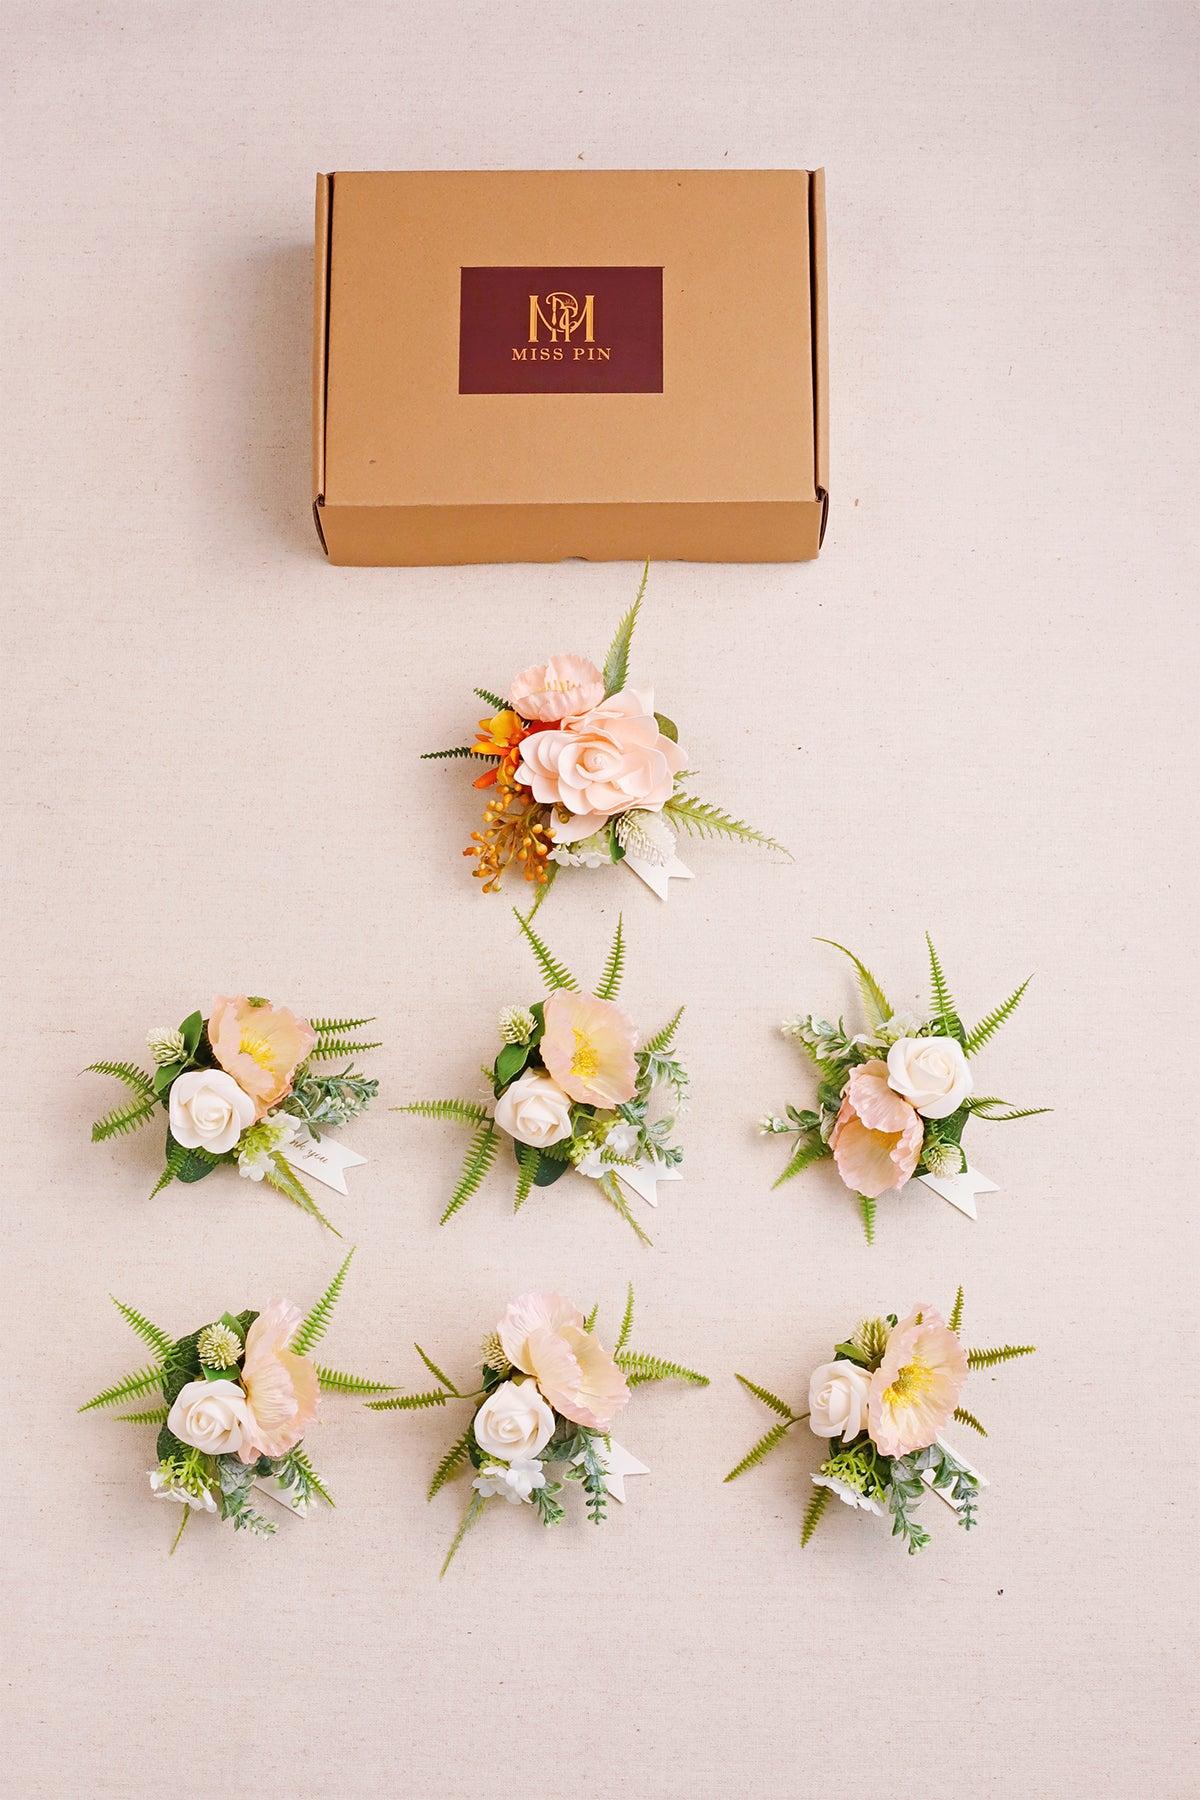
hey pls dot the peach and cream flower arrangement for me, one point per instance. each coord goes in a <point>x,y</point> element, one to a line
<point>548,1398</point>
<point>583,772</point>
<point>895,1099</point>
<point>880,1407</point>
<point>238,1398</point>
<point>240,1087</point>
<point>574,1089</point>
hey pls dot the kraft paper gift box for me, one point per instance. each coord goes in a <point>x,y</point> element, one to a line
<point>518,367</point>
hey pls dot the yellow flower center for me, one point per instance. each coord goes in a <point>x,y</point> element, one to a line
<point>586,1060</point>
<point>912,1382</point>
<point>258,1049</point>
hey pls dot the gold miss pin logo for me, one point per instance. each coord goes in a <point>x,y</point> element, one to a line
<point>559,322</point>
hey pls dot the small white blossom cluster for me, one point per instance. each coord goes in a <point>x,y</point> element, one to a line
<point>589,853</point>
<point>516,1481</point>
<point>263,1142</point>
<point>168,1483</point>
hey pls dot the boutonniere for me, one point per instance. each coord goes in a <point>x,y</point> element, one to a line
<point>881,1407</point>
<point>240,1087</point>
<point>895,1099</point>
<point>572,1089</point>
<point>583,772</point>
<point>238,1398</point>
<point>548,1397</point>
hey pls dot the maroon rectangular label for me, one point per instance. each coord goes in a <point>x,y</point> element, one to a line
<point>560,331</point>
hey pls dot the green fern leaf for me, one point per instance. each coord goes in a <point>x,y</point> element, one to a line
<point>610,1187</point>
<point>438,1374</point>
<point>140,1382</point>
<point>316,1324</point>
<point>614,968</point>
<point>626,1322</point>
<point>956,1312</point>
<point>411,1402</point>
<point>640,1367</point>
<point>878,1006</point>
<point>301,1461</point>
<point>336,1381</point>
<point>769,1399</point>
<point>157,1415</point>
<point>153,1335</point>
<point>338,1027</point>
<point>122,1119</point>
<point>474,1508</point>
<point>942,999</point>
<point>802,1156</point>
<point>183,1165</point>
<point>814,1512</point>
<point>761,1450</point>
<point>987,1359</point>
<point>662,1040</point>
<point>705,820</point>
<point>464,1112</point>
<point>616,663</point>
<point>134,1078</point>
<point>457,751</point>
<point>553,972</point>
<point>451,1463</point>
<point>989,1026</point>
<point>284,1179</point>
<point>989,1117</point>
<point>529,1161</point>
<point>490,699</point>
<point>868,1216</point>
<point>327,1049</point>
<point>968,1418</point>
<point>481,1154</point>
<point>589,1324</point>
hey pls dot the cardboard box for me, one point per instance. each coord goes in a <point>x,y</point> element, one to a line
<point>611,364</point>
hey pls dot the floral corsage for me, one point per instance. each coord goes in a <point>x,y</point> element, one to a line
<point>583,772</point>
<point>238,1397</point>
<point>881,1406</point>
<point>549,1395</point>
<point>895,1099</point>
<point>240,1087</point>
<point>572,1090</point>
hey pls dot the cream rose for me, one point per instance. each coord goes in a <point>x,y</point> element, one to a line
<point>534,1110</point>
<point>209,1111</point>
<point>602,763</point>
<point>514,1422</point>
<point>212,1416</point>
<point>837,1399</point>
<point>931,1073</point>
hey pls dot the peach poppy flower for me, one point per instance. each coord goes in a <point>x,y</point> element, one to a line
<point>282,1389</point>
<point>260,1046</point>
<point>588,1048</point>
<point>876,1141</point>
<point>915,1389</point>
<point>543,1336</point>
<point>560,689</point>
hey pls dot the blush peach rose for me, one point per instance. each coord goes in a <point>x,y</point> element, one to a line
<point>543,1336</point>
<point>876,1141</point>
<point>604,762</point>
<point>560,689</point>
<point>282,1389</point>
<point>260,1046</point>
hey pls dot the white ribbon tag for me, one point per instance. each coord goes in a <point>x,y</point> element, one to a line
<point>960,1190</point>
<point>944,1493</point>
<point>641,1178</point>
<point>325,1162</point>
<point>658,875</point>
<point>617,1463</point>
<point>286,1497</point>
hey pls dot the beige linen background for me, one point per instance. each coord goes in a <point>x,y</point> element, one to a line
<point>972,715</point>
